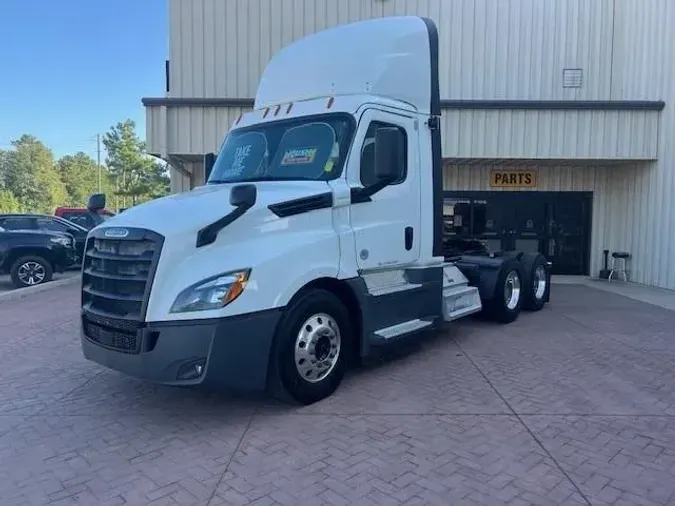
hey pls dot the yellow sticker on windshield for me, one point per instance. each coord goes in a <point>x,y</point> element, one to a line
<point>298,156</point>
<point>329,166</point>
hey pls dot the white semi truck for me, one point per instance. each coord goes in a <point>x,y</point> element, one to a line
<point>317,239</point>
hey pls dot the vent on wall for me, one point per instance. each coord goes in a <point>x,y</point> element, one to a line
<point>572,78</point>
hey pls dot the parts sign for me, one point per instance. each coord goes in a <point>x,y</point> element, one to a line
<point>503,178</point>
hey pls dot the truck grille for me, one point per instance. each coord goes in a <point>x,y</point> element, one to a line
<point>117,275</point>
<point>111,333</point>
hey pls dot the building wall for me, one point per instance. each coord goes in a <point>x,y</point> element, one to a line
<point>550,134</point>
<point>466,133</point>
<point>179,181</point>
<point>490,49</point>
<point>190,175</point>
<point>643,67</point>
<point>613,227</point>
<point>190,130</point>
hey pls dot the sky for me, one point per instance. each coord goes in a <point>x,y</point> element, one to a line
<point>70,69</point>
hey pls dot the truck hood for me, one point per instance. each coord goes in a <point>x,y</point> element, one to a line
<point>192,210</point>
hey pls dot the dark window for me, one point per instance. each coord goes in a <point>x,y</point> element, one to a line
<point>48,224</point>
<point>79,219</point>
<point>18,223</point>
<point>457,217</point>
<point>368,154</point>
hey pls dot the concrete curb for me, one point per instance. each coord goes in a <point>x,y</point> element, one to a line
<point>20,293</point>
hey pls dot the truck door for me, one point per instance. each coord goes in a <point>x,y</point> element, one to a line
<point>386,228</point>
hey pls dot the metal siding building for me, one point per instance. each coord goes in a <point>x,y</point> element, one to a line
<point>580,93</point>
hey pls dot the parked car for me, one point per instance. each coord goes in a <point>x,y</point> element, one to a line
<point>46,222</point>
<point>82,216</point>
<point>31,257</point>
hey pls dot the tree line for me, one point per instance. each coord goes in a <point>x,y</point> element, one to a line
<point>32,180</point>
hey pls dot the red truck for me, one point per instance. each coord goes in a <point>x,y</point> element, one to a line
<point>82,216</point>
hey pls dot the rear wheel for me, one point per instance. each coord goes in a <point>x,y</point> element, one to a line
<point>536,279</point>
<point>30,271</point>
<point>312,344</point>
<point>539,282</point>
<point>507,298</point>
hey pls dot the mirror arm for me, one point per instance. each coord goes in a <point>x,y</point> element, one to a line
<point>208,234</point>
<point>95,216</point>
<point>364,193</point>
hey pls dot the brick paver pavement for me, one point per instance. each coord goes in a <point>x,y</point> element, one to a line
<point>573,405</point>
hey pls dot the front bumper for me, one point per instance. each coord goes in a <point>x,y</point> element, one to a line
<point>227,353</point>
<point>65,258</point>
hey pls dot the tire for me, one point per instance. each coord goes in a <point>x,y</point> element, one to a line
<point>314,326</point>
<point>505,304</point>
<point>30,270</point>
<point>537,281</point>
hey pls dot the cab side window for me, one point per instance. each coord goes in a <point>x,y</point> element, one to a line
<point>79,219</point>
<point>368,154</point>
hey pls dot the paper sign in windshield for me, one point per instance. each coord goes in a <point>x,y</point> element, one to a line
<point>299,156</point>
<point>240,156</point>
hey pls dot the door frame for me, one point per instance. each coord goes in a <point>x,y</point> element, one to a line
<point>585,197</point>
<point>359,211</point>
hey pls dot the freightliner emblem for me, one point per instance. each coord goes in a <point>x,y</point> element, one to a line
<point>116,232</point>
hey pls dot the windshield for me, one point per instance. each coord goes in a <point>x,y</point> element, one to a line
<point>310,148</point>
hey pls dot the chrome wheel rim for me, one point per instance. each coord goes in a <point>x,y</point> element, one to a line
<point>31,273</point>
<point>512,290</point>
<point>317,347</point>
<point>539,282</point>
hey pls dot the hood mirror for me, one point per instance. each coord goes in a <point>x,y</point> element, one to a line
<point>243,195</point>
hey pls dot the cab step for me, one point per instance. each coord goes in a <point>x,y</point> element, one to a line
<point>460,301</point>
<point>403,329</point>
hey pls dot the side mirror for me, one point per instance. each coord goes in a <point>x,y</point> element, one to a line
<point>243,195</point>
<point>390,153</point>
<point>96,202</point>
<point>209,161</point>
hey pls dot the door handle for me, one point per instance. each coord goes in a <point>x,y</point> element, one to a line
<point>408,238</point>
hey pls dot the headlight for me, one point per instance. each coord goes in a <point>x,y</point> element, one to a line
<point>63,241</point>
<point>212,293</point>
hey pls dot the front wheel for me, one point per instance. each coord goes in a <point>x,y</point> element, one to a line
<point>30,271</point>
<point>312,344</point>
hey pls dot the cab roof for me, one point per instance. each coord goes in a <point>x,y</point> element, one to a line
<point>392,57</point>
